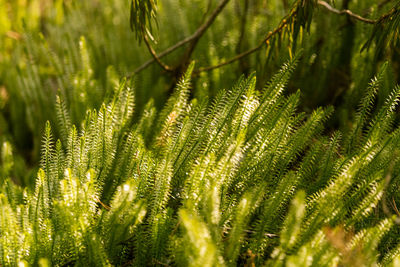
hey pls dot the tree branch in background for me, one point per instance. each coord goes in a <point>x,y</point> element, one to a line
<point>345,11</point>
<point>154,54</point>
<point>196,35</point>
<point>193,39</point>
<point>278,29</point>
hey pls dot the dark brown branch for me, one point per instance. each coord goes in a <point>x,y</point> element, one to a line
<point>197,34</point>
<point>345,11</point>
<point>154,54</point>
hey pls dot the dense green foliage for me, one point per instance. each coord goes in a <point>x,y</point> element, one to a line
<point>101,165</point>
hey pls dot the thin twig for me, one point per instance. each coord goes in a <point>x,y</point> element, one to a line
<point>104,205</point>
<point>278,30</point>
<point>154,54</point>
<point>200,31</point>
<point>197,34</point>
<point>250,51</point>
<point>345,11</point>
<point>395,207</point>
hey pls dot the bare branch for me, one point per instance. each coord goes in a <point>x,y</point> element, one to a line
<point>197,34</point>
<point>200,31</point>
<point>278,29</point>
<point>154,54</point>
<point>345,11</point>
